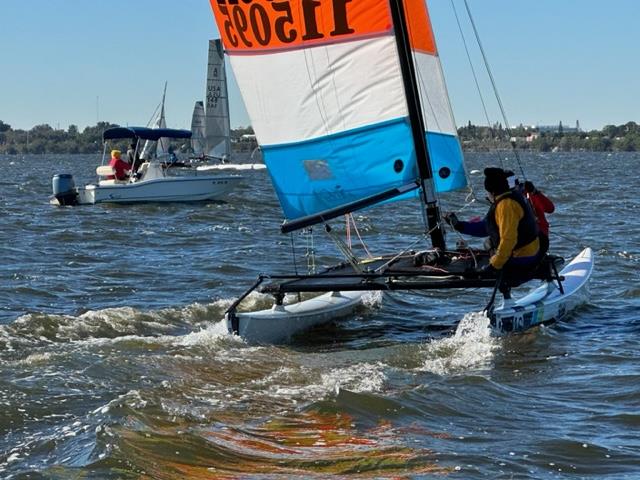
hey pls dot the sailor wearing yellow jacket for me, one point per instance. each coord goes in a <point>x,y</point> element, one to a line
<point>509,224</point>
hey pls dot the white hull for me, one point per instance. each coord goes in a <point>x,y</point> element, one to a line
<point>166,189</point>
<point>279,323</point>
<point>546,303</point>
<point>233,166</point>
<point>543,304</point>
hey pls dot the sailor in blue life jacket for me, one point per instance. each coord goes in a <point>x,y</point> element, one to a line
<point>511,228</point>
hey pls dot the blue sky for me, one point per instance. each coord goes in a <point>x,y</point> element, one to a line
<point>68,62</point>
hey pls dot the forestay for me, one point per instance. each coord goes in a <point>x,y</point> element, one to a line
<point>323,86</point>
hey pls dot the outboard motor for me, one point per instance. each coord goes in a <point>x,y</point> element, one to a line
<point>64,189</point>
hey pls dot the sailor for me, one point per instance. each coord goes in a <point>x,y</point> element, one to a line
<point>541,205</point>
<point>120,167</point>
<point>511,228</point>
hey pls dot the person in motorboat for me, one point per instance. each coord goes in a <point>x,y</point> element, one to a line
<point>511,228</point>
<point>173,158</point>
<point>541,205</point>
<point>133,157</point>
<point>120,167</point>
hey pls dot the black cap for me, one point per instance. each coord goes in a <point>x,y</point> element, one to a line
<point>495,180</point>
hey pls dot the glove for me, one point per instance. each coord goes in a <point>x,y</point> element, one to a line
<point>487,271</point>
<point>451,219</point>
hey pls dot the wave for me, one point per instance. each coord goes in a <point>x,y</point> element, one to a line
<point>472,346</point>
<point>40,329</point>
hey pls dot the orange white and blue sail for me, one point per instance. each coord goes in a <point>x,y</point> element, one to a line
<point>323,86</point>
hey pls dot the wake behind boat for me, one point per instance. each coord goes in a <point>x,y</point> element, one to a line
<point>152,181</point>
<point>351,111</point>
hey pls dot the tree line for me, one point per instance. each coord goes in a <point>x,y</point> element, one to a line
<point>612,138</point>
<point>44,139</point>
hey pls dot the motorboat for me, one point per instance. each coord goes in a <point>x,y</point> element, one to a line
<point>155,180</point>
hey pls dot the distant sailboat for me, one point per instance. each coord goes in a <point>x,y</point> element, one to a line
<point>210,123</point>
<point>198,138</point>
<point>162,144</point>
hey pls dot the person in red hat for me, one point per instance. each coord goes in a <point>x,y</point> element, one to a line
<point>120,167</point>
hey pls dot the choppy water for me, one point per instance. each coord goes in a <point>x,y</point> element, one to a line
<point>114,362</point>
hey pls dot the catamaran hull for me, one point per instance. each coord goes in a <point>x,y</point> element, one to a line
<point>279,323</point>
<point>175,189</point>
<point>546,303</point>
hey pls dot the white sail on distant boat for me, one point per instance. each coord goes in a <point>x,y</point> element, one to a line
<point>162,145</point>
<point>350,107</point>
<point>210,123</point>
<point>198,138</point>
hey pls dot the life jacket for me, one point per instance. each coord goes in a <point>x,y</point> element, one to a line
<point>540,205</point>
<point>527,227</point>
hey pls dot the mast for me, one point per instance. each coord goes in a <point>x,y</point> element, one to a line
<point>416,120</point>
<point>227,123</point>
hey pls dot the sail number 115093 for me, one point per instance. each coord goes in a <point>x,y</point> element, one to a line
<point>256,24</point>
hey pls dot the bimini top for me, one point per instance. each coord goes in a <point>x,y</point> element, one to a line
<point>144,133</point>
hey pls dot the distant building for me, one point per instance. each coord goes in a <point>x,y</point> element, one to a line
<point>560,128</point>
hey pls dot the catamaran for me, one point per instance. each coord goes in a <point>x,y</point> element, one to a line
<point>349,105</point>
<point>210,123</point>
<point>153,181</point>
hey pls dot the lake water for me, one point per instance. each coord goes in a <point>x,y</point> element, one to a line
<point>115,364</point>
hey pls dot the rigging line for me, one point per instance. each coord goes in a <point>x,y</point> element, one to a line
<point>153,115</point>
<point>311,251</point>
<point>473,72</point>
<point>448,101</point>
<point>355,227</point>
<point>568,237</point>
<point>344,249</point>
<point>495,88</point>
<point>293,252</point>
<point>422,237</point>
